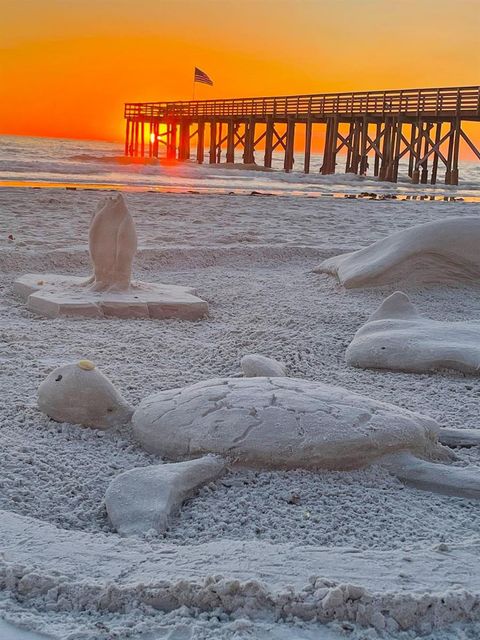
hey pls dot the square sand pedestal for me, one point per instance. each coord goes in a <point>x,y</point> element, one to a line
<point>53,295</point>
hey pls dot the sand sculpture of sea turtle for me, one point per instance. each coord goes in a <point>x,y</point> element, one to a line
<point>110,291</point>
<point>266,422</point>
<point>398,337</point>
<point>444,251</point>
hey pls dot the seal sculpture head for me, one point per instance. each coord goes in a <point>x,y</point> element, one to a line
<point>113,244</point>
<point>81,394</point>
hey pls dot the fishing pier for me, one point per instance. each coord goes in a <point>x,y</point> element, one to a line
<point>418,131</point>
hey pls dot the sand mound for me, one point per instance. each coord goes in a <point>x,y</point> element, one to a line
<point>445,251</point>
<point>397,337</point>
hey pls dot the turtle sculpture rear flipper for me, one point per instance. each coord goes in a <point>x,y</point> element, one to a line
<point>462,482</point>
<point>459,437</point>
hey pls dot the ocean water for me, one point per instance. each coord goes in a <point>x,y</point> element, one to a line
<point>45,161</point>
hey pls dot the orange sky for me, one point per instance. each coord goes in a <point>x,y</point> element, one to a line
<point>67,67</point>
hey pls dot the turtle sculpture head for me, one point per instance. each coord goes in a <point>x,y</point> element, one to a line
<point>113,244</point>
<point>81,394</point>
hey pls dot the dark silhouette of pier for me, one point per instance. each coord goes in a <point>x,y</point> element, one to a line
<point>376,130</point>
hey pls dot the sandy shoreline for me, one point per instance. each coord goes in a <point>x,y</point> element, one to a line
<point>383,194</point>
<point>251,258</point>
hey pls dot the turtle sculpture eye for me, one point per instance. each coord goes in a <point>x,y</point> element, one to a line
<point>58,378</point>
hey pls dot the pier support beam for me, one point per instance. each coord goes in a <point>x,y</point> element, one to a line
<point>269,130</point>
<point>213,142</point>
<point>417,152</point>
<point>411,156</point>
<point>135,149</point>
<point>376,146</point>
<point>348,143</point>
<point>424,161</point>
<point>363,148</point>
<point>387,149</point>
<point>219,143</point>
<point>171,141</point>
<point>150,139</point>
<point>200,141</point>
<point>127,138</point>
<point>457,130</point>
<point>231,142</point>
<point>249,142</point>
<point>397,149</point>
<point>438,137</point>
<point>308,146</point>
<point>330,148</point>
<point>184,144</point>
<point>289,146</point>
<point>355,160</point>
<point>156,127</point>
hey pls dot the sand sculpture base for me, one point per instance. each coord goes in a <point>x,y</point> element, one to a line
<point>54,295</point>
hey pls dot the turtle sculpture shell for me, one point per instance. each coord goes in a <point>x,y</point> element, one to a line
<point>280,423</point>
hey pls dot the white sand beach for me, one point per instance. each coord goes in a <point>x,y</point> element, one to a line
<point>251,258</point>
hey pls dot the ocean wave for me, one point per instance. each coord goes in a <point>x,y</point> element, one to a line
<point>103,163</point>
<point>86,157</point>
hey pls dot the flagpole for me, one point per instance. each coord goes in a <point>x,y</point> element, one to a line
<point>193,87</point>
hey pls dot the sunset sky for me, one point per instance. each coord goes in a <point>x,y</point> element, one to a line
<point>67,67</point>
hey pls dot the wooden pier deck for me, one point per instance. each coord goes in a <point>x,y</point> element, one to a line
<point>376,130</point>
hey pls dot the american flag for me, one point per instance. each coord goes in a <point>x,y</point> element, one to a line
<point>201,76</point>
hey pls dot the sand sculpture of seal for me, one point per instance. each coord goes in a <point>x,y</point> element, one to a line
<point>110,291</point>
<point>261,422</point>
<point>444,251</point>
<point>113,244</point>
<point>398,337</point>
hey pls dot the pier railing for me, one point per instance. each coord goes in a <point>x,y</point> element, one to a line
<point>461,102</point>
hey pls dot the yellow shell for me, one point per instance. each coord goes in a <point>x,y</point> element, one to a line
<point>86,364</point>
